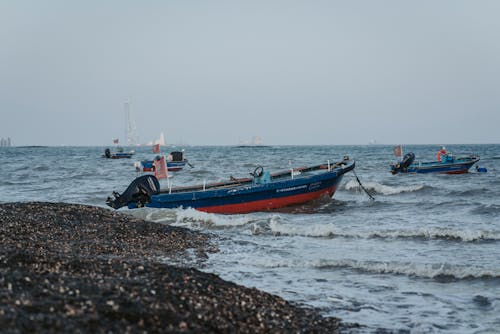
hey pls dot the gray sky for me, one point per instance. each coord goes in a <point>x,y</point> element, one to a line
<point>219,72</point>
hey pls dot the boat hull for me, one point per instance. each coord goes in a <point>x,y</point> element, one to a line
<point>253,197</point>
<point>266,204</point>
<point>172,166</point>
<point>118,156</point>
<point>121,156</point>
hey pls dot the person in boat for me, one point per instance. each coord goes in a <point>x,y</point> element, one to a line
<point>442,153</point>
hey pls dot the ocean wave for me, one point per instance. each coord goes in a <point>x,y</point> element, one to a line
<point>200,173</point>
<point>15,183</point>
<point>309,230</point>
<point>469,192</point>
<point>41,168</point>
<point>331,231</point>
<point>437,233</point>
<point>375,187</point>
<point>492,209</point>
<point>201,220</point>
<point>442,272</point>
<point>198,220</point>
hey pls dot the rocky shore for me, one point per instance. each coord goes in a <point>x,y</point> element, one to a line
<point>84,269</point>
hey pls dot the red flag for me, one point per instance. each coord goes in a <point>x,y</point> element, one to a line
<point>160,168</point>
<point>156,148</point>
<point>397,150</point>
<point>115,141</point>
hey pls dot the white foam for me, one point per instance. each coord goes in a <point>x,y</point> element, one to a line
<point>306,230</point>
<point>383,189</point>
<point>196,219</point>
<point>414,269</point>
<point>330,230</point>
<point>437,233</point>
<point>423,270</point>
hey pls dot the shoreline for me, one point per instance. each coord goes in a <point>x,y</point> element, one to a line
<point>72,267</point>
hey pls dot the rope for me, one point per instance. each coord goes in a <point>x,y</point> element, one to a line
<point>361,185</point>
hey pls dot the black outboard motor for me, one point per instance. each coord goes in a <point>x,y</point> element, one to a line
<point>404,163</point>
<point>107,153</point>
<point>138,192</point>
<point>176,156</point>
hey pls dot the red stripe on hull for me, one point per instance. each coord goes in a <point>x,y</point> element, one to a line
<point>268,204</point>
<point>463,171</point>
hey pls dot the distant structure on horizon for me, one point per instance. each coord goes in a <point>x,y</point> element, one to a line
<point>132,137</point>
<point>5,142</point>
<point>256,141</point>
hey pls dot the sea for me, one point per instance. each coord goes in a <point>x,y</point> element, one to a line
<point>422,257</point>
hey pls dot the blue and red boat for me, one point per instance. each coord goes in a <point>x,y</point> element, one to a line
<point>448,165</point>
<point>261,192</point>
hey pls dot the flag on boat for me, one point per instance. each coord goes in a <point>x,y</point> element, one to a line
<point>156,148</point>
<point>398,150</point>
<point>115,141</point>
<point>160,168</point>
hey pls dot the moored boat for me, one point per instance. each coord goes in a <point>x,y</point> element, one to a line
<point>117,155</point>
<point>175,162</point>
<point>449,165</point>
<point>261,192</point>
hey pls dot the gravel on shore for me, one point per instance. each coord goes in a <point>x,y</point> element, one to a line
<point>85,269</point>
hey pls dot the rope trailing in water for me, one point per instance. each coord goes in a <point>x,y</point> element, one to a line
<point>361,185</point>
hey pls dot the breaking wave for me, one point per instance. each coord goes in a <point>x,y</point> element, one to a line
<point>331,231</point>
<point>198,220</point>
<point>201,220</point>
<point>379,188</point>
<point>442,272</point>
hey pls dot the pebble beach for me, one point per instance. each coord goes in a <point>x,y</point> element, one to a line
<point>86,269</point>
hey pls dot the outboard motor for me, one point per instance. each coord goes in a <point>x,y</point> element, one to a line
<point>138,192</point>
<point>404,163</point>
<point>177,156</point>
<point>107,153</point>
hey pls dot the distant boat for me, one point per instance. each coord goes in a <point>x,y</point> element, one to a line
<point>176,163</point>
<point>261,192</point>
<point>449,165</point>
<point>119,154</point>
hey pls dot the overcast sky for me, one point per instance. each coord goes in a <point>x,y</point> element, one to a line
<point>219,72</point>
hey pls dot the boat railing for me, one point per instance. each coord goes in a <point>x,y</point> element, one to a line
<point>235,182</point>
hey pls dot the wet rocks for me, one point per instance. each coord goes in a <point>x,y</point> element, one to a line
<point>75,268</point>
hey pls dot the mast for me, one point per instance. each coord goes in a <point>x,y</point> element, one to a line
<point>132,137</point>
